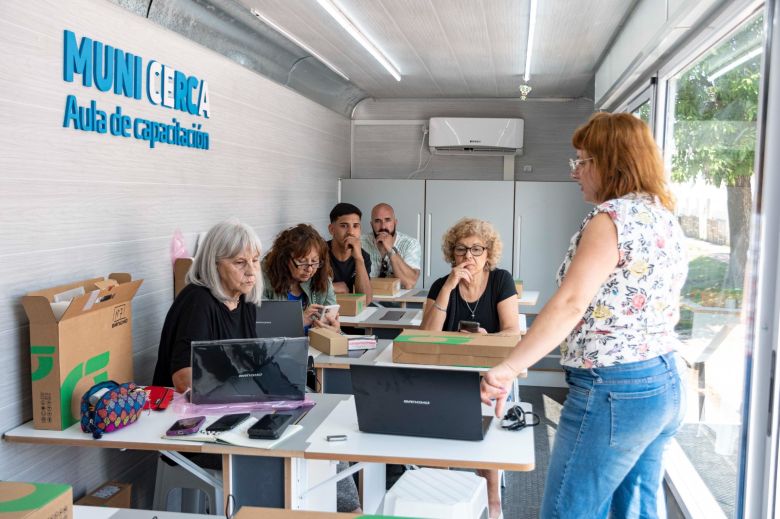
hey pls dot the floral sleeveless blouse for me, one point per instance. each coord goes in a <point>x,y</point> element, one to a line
<point>632,316</point>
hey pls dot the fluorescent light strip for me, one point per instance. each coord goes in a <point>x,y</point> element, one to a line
<point>298,42</point>
<point>353,31</point>
<point>529,47</point>
<point>731,66</point>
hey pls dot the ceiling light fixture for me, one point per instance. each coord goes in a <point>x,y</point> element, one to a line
<point>337,14</point>
<point>296,41</point>
<point>529,46</point>
<point>734,64</point>
<point>524,91</point>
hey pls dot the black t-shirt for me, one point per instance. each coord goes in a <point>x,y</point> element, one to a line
<point>345,270</point>
<point>196,315</point>
<point>499,286</point>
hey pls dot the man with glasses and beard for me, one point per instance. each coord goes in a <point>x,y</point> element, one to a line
<point>393,253</point>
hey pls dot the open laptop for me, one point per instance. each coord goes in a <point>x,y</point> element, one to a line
<point>249,370</point>
<point>280,319</point>
<point>434,403</point>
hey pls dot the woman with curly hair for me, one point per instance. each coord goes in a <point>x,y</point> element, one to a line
<point>474,290</point>
<point>297,269</point>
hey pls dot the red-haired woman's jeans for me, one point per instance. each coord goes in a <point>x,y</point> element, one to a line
<point>608,450</point>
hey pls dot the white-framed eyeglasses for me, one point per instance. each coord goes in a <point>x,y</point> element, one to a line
<point>575,163</point>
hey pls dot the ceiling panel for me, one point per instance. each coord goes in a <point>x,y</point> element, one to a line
<point>459,48</point>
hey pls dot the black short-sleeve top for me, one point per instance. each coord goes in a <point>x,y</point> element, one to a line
<point>500,286</point>
<point>196,315</point>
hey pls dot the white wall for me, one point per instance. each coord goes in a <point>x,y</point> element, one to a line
<point>75,205</point>
<point>392,150</point>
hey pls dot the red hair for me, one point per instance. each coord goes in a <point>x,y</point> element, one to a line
<point>625,157</point>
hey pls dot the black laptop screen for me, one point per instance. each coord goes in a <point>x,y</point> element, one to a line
<point>249,370</point>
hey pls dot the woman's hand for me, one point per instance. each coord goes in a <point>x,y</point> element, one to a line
<point>311,314</point>
<point>495,385</point>
<point>457,274</point>
<point>330,321</point>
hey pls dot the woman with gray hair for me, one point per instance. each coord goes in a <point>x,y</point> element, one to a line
<point>219,301</point>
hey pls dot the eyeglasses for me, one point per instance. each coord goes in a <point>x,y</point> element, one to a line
<point>300,265</point>
<point>516,419</point>
<point>476,250</point>
<point>575,163</point>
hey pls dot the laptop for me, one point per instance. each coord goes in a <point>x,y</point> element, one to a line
<point>249,370</point>
<point>395,316</point>
<point>434,403</point>
<point>280,319</point>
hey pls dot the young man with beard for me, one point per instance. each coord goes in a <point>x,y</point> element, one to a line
<point>351,264</point>
<point>393,253</point>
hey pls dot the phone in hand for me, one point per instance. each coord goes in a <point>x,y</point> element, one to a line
<point>270,426</point>
<point>468,326</point>
<point>329,310</point>
<point>185,426</point>
<point>227,422</point>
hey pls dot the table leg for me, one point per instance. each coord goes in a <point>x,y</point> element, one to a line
<point>372,487</point>
<point>320,374</point>
<point>305,475</point>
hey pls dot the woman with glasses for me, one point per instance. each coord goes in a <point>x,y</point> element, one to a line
<point>219,301</point>
<point>614,313</point>
<point>297,269</point>
<point>474,291</point>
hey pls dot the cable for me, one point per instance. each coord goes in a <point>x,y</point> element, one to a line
<point>419,161</point>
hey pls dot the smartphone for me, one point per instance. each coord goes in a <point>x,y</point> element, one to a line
<point>330,310</point>
<point>468,326</point>
<point>227,422</point>
<point>186,426</point>
<point>270,426</point>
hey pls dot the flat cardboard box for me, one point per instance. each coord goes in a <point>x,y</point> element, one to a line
<point>351,304</point>
<point>519,287</point>
<point>385,286</point>
<point>35,500</point>
<point>91,342</point>
<point>452,348</point>
<point>180,268</point>
<point>328,341</point>
<point>111,493</point>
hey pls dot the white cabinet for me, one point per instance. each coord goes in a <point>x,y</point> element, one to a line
<point>535,220</point>
<point>447,201</point>
<point>547,214</point>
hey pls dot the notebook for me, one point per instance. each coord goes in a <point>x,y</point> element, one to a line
<point>434,403</point>
<point>279,319</point>
<point>249,370</point>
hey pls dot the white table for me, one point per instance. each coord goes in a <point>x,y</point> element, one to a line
<point>373,317</point>
<point>103,512</point>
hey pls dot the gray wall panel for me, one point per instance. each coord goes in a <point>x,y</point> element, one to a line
<point>392,150</point>
<point>76,205</point>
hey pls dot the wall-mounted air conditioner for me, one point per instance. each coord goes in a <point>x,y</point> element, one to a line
<point>475,137</point>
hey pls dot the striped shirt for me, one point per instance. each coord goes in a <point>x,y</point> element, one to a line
<point>408,248</point>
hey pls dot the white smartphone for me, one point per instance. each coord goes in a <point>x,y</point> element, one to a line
<point>330,310</point>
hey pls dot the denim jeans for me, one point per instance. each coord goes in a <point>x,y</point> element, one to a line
<point>608,450</point>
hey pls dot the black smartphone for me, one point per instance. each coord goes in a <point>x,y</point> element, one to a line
<point>227,422</point>
<point>185,426</point>
<point>468,326</point>
<point>270,426</point>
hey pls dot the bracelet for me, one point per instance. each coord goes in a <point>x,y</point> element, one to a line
<point>439,308</point>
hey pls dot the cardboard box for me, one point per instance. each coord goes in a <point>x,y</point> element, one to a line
<point>91,342</point>
<point>385,286</point>
<point>351,304</point>
<point>111,493</point>
<point>180,268</point>
<point>519,287</point>
<point>328,342</point>
<point>35,500</point>
<point>452,348</point>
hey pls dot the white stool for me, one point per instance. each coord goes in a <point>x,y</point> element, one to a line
<point>438,493</point>
<point>170,477</point>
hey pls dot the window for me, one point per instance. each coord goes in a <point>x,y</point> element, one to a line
<point>710,147</point>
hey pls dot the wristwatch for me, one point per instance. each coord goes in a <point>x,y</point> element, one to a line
<point>393,251</point>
